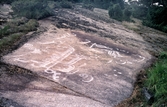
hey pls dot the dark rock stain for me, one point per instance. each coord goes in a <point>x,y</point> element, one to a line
<point>101,41</point>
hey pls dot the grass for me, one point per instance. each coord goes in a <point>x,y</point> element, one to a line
<point>135,26</point>
<point>16,26</point>
<point>31,25</point>
<point>157,81</point>
<point>7,41</point>
<point>4,31</point>
<point>13,30</point>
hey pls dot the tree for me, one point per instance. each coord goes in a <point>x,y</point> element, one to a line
<point>127,13</point>
<point>6,1</point>
<point>115,12</point>
<point>156,14</point>
<point>120,2</point>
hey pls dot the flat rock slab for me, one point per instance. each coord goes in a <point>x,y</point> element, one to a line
<point>39,98</point>
<point>89,65</point>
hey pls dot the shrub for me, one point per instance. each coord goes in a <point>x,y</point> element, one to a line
<point>6,1</point>
<point>6,41</point>
<point>88,6</point>
<point>139,12</point>
<point>4,31</point>
<point>111,12</point>
<point>53,4</point>
<point>31,25</point>
<point>32,9</point>
<point>66,4</point>
<point>115,12</point>
<point>19,25</point>
<point>127,13</point>
<point>164,29</point>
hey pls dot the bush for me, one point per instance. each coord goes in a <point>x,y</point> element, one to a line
<point>139,12</point>
<point>127,13</point>
<point>66,4</point>
<point>154,20</point>
<point>88,6</point>
<point>164,29</point>
<point>31,25</point>
<point>6,1</point>
<point>19,25</point>
<point>4,31</point>
<point>32,9</point>
<point>115,12</point>
<point>53,4</point>
<point>111,12</point>
<point>6,41</point>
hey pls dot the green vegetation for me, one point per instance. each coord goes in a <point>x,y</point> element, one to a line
<point>32,9</point>
<point>8,41</point>
<point>65,4</point>
<point>38,9</point>
<point>88,6</point>
<point>157,81</point>
<point>152,15</point>
<point>14,29</point>
<point>156,18</point>
<point>6,1</point>
<point>115,12</point>
<point>4,31</point>
<point>15,26</point>
<point>31,25</point>
<point>127,14</point>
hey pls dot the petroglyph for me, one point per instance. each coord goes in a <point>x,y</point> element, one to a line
<point>86,77</point>
<point>85,42</point>
<point>84,63</point>
<point>61,53</point>
<point>55,75</point>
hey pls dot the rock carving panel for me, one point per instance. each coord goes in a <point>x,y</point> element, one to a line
<point>74,62</point>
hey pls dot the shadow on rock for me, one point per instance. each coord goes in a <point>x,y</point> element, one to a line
<point>13,78</point>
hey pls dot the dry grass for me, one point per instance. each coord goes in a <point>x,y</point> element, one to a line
<point>135,26</point>
<point>137,98</point>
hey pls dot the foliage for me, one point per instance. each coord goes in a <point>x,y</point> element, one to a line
<point>20,25</point>
<point>88,6</point>
<point>32,9</point>
<point>149,3</point>
<point>53,4</point>
<point>139,12</point>
<point>115,12</point>
<point>152,15</point>
<point>66,4</point>
<point>14,29</point>
<point>104,4</point>
<point>31,25</point>
<point>4,31</point>
<point>6,1</point>
<point>156,18</point>
<point>126,14</point>
<point>120,2</point>
<point>157,81</point>
<point>5,41</point>
<point>60,4</point>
